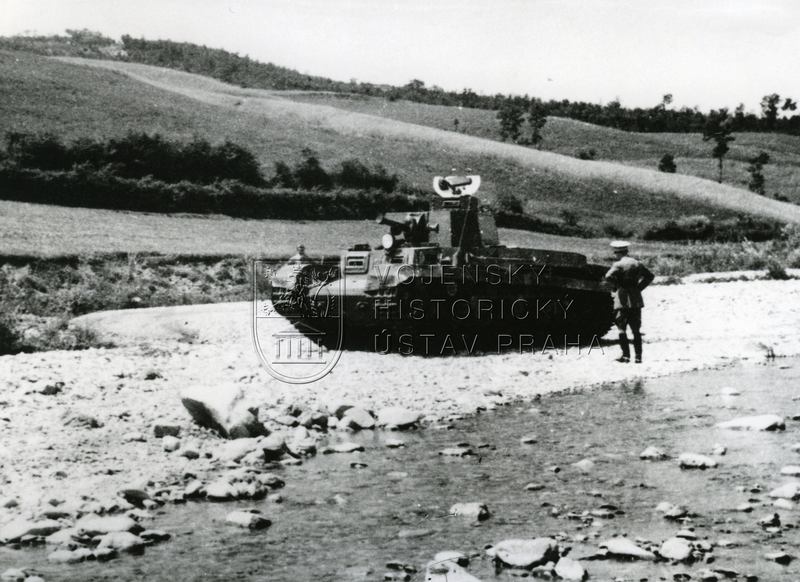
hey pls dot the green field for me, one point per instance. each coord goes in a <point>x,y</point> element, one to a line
<point>37,230</point>
<point>96,99</point>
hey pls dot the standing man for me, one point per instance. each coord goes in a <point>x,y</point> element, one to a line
<point>629,277</point>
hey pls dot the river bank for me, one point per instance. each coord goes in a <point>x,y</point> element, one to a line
<point>581,469</point>
<point>48,455</point>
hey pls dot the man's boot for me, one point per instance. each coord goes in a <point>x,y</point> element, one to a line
<point>626,350</point>
<point>637,347</point>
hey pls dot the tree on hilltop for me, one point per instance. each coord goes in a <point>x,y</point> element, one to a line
<point>757,164</point>
<point>719,128</point>
<point>769,109</point>
<point>511,116</point>
<point>537,117</point>
<point>667,164</point>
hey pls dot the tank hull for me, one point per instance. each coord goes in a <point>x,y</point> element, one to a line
<point>492,299</point>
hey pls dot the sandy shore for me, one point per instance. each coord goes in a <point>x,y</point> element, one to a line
<point>130,388</point>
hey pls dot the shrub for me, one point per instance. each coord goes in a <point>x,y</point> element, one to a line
<point>667,164</point>
<point>354,174</point>
<point>43,151</point>
<point>284,177</point>
<point>612,230</point>
<point>509,203</point>
<point>702,228</point>
<point>776,270</point>
<point>569,217</point>
<point>310,174</point>
<point>138,155</point>
<point>589,154</point>
<point>755,168</point>
<point>793,260</point>
<point>9,339</point>
<point>539,224</point>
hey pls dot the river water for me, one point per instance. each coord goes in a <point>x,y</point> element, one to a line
<point>340,522</point>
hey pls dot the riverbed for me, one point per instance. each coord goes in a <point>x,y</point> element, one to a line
<point>345,516</point>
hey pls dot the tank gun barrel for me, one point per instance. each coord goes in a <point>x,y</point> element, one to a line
<point>395,226</point>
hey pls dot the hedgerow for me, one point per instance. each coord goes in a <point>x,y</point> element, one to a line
<point>86,187</point>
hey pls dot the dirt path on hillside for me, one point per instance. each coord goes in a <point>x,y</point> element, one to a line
<point>271,105</point>
<point>162,350</point>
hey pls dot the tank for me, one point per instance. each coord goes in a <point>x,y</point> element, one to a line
<point>443,273</point>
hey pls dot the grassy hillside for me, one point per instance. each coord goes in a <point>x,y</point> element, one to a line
<point>566,136</point>
<point>73,100</point>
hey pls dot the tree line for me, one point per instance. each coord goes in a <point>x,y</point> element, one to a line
<point>139,155</point>
<point>776,113</point>
<point>149,173</point>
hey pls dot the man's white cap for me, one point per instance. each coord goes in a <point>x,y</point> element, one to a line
<point>619,245</point>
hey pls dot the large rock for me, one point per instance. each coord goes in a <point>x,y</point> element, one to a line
<point>122,541</point>
<point>221,490</point>
<point>194,490</point>
<point>17,529</point>
<point>569,569</point>
<point>789,490</point>
<point>248,518</point>
<point>358,419</point>
<point>475,510</point>
<point>93,525</point>
<point>274,447</point>
<point>222,409</point>
<point>161,430</point>
<point>237,449</point>
<point>397,417</point>
<point>626,549</point>
<point>14,575</point>
<point>270,480</point>
<point>524,553</point>
<point>653,454</point>
<point>63,537</point>
<point>303,443</point>
<point>760,422</point>
<point>135,496</point>
<point>170,443</point>
<point>677,549</point>
<point>584,465</point>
